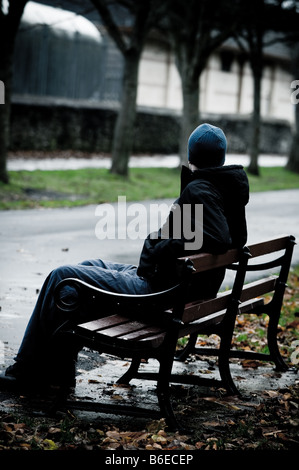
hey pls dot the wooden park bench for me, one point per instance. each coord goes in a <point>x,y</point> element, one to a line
<point>140,327</point>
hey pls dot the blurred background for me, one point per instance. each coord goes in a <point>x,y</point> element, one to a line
<point>72,76</point>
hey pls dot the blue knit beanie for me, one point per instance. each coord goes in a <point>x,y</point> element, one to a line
<point>207,146</point>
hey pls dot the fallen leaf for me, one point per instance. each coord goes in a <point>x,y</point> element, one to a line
<point>54,430</point>
<point>271,393</point>
<point>211,423</point>
<point>48,444</point>
<point>272,433</point>
<point>230,422</point>
<point>294,422</point>
<point>160,439</point>
<point>18,426</point>
<point>199,445</point>
<point>117,397</point>
<point>113,434</point>
<point>293,324</point>
<point>223,403</point>
<point>249,363</point>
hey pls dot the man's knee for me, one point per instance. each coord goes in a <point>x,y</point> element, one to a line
<point>62,272</point>
<point>67,293</point>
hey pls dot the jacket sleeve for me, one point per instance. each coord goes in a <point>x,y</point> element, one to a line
<point>160,251</point>
<point>236,219</point>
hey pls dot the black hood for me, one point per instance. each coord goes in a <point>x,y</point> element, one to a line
<point>224,192</point>
<point>230,180</point>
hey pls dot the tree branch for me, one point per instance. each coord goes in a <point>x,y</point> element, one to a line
<point>113,29</point>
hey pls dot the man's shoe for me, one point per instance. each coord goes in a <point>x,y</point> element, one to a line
<point>8,382</point>
<point>17,378</point>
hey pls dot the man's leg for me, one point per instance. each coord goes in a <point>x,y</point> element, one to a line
<point>37,354</point>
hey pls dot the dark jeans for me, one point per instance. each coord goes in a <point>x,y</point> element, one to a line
<point>36,349</point>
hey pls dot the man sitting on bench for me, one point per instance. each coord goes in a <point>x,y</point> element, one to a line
<point>223,192</point>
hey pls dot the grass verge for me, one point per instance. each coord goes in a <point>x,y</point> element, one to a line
<point>67,188</point>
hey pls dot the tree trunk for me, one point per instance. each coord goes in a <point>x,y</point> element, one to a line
<point>293,160</point>
<point>124,129</point>
<point>190,116</point>
<point>9,23</point>
<point>254,149</point>
<point>6,53</point>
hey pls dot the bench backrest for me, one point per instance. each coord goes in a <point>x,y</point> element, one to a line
<point>232,260</point>
<point>204,261</point>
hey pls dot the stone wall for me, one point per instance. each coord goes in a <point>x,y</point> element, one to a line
<point>82,126</point>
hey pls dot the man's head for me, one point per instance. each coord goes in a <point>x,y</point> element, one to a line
<point>207,146</point>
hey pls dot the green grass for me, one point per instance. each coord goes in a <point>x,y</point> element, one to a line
<point>29,189</point>
<point>274,178</point>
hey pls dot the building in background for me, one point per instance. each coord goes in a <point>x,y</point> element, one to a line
<point>226,85</point>
<point>65,55</point>
<point>56,54</point>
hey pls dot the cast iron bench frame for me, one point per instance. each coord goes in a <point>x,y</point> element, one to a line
<point>148,326</point>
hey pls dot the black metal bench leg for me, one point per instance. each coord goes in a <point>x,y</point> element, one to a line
<point>273,346</point>
<point>188,349</point>
<point>163,392</point>
<point>223,360</point>
<point>131,372</point>
<point>225,374</point>
<point>166,409</point>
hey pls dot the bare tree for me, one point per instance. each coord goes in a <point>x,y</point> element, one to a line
<point>251,39</point>
<point>292,39</point>
<point>262,17</point>
<point>293,160</point>
<point>196,28</point>
<point>130,41</point>
<point>9,22</point>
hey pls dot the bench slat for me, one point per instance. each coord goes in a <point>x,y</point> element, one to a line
<point>143,334</point>
<point>250,291</point>
<point>123,329</point>
<point>198,310</point>
<point>207,261</point>
<point>101,323</point>
<point>143,340</point>
<point>217,317</point>
<point>270,246</point>
<point>212,319</point>
<point>257,288</point>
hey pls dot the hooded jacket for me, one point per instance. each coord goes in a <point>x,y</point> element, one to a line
<point>223,192</point>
